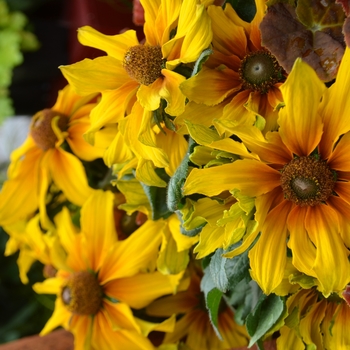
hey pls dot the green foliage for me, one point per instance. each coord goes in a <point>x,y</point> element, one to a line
<point>265,315</point>
<point>174,194</point>
<point>13,39</point>
<point>156,197</point>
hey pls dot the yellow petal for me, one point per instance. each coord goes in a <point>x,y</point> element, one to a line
<point>331,265</point>
<point>140,290</point>
<point>69,175</point>
<point>336,105</point>
<point>142,246</point>
<point>302,93</point>
<point>211,86</point>
<point>251,177</point>
<point>268,257</point>
<point>114,45</point>
<point>99,230</point>
<point>91,76</point>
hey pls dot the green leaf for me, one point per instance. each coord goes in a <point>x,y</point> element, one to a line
<point>174,193</point>
<point>237,270</point>
<point>246,9</point>
<point>213,297</point>
<point>201,60</point>
<point>157,197</point>
<point>217,270</point>
<point>265,315</point>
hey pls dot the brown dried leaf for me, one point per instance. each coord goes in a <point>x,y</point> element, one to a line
<point>346,31</point>
<point>345,4</point>
<point>287,38</point>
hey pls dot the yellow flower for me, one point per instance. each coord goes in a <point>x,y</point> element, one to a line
<point>299,177</point>
<point>239,77</point>
<point>315,322</point>
<point>176,32</point>
<point>104,278</point>
<point>42,159</point>
<point>194,327</point>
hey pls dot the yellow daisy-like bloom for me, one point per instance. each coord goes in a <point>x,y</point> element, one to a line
<point>104,278</point>
<point>194,327</point>
<point>240,76</point>
<point>43,159</point>
<point>176,32</point>
<point>315,322</point>
<point>299,177</point>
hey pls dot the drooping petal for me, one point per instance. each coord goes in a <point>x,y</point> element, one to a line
<point>269,255</point>
<point>113,105</point>
<point>99,230</point>
<point>300,124</point>
<point>19,196</point>
<point>251,177</point>
<point>140,290</point>
<point>69,175</point>
<point>339,158</point>
<point>336,107</point>
<point>134,254</point>
<point>91,76</point>
<point>331,265</point>
<point>228,37</point>
<point>119,314</point>
<point>304,252</point>
<point>114,45</point>
<point>60,317</point>
<point>211,86</point>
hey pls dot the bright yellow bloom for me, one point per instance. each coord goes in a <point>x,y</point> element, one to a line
<point>299,177</point>
<point>104,278</point>
<point>194,327</point>
<point>42,159</point>
<point>316,322</point>
<point>176,32</point>
<point>240,76</point>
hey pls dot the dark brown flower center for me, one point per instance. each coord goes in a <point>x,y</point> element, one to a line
<point>307,181</point>
<point>144,63</point>
<point>259,71</point>
<point>82,294</point>
<point>41,128</point>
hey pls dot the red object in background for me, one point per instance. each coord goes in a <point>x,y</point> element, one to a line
<point>108,17</point>
<point>138,14</point>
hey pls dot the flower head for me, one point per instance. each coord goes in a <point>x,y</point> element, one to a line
<point>299,176</point>
<point>43,159</point>
<point>103,278</point>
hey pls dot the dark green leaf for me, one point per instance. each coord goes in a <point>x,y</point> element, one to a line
<point>201,60</point>
<point>174,196</point>
<point>265,315</point>
<point>237,269</point>
<point>212,297</point>
<point>217,270</point>
<point>246,9</point>
<point>157,197</point>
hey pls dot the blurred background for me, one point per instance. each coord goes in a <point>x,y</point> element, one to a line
<point>50,31</point>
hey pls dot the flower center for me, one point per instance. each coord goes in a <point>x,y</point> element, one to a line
<point>259,71</point>
<point>307,181</point>
<point>82,294</point>
<point>144,63</point>
<point>41,129</point>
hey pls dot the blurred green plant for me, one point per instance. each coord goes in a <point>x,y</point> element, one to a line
<point>14,38</point>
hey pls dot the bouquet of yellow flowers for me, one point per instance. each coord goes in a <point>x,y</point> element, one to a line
<point>191,189</point>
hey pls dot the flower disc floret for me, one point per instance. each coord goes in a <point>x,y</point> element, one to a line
<point>307,181</point>
<point>82,294</point>
<point>144,63</point>
<point>259,71</point>
<point>41,128</point>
